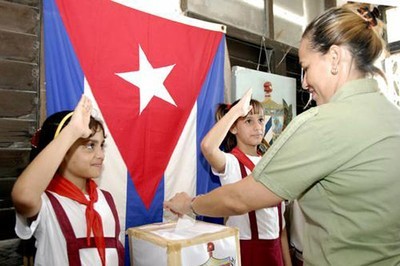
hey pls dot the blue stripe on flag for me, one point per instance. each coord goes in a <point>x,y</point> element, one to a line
<point>211,94</point>
<point>64,76</point>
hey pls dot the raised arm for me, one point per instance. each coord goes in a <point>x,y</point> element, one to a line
<point>33,181</point>
<point>212,141</point>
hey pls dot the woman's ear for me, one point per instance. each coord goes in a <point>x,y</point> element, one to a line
<point>335,55</point>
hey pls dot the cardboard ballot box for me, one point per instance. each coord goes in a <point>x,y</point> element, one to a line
<point>199,244</point>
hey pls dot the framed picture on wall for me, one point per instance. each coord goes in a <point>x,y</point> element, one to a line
<point>277,94</point>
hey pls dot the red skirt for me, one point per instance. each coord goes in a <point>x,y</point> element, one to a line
<point>261,252</point>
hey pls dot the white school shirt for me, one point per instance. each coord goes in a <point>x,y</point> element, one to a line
<point>267,219</point>
<point>50,241</point>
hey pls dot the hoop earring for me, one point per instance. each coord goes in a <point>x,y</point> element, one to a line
<point>334,71</point>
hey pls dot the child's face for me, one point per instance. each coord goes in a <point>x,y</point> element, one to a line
<point>85,158</point>
<point>250,129</point>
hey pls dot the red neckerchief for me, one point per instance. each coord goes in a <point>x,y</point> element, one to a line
<point>243,158</point>
<point>66,188</point>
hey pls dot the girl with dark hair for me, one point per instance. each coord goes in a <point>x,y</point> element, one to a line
<point>263,238</point>
<point>56,199</point>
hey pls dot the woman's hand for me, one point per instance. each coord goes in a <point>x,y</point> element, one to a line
<point>179,204</point>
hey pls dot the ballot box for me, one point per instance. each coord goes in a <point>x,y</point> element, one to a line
<point>198,244</point>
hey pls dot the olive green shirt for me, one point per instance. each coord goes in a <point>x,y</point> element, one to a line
<point>342,161</point>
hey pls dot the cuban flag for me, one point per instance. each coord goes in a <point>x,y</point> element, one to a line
<point>154,82</point>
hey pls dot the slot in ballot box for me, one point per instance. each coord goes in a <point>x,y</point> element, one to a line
<point>199,244</point>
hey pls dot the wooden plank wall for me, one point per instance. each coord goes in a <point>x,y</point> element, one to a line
<point>20,28</point>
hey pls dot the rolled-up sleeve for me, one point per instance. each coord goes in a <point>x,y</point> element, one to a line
<point>301,156</point>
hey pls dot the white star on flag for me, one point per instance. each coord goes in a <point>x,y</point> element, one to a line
<point>149,80</point>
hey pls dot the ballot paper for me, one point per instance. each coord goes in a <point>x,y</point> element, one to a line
<point>184,223</point>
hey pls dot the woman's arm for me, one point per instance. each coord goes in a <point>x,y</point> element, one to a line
<point>212,141</point>
<point>33,181</point>
<point>231,199</point>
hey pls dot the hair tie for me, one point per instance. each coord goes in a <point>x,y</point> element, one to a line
<point>228,106</point>
<point>35,138</point>
<point>62,124</point>
<point>370,17</point>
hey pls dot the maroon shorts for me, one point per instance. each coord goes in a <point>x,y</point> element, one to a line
<point>261,252</point>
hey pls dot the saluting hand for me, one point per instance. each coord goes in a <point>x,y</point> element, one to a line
<point>81,117</point>
<point>243,105</point>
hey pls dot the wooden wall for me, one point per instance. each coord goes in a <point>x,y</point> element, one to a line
<point>20,45</point>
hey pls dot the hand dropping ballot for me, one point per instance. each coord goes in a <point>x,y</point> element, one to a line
<point>184,242</point>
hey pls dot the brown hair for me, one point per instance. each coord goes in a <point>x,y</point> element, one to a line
<point>229,141</point>
<point>347,26</point>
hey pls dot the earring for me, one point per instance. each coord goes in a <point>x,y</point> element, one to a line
<point>334,71</point>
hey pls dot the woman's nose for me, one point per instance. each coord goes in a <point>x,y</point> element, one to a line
<point>305,86</point>
<point>304,83</point>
